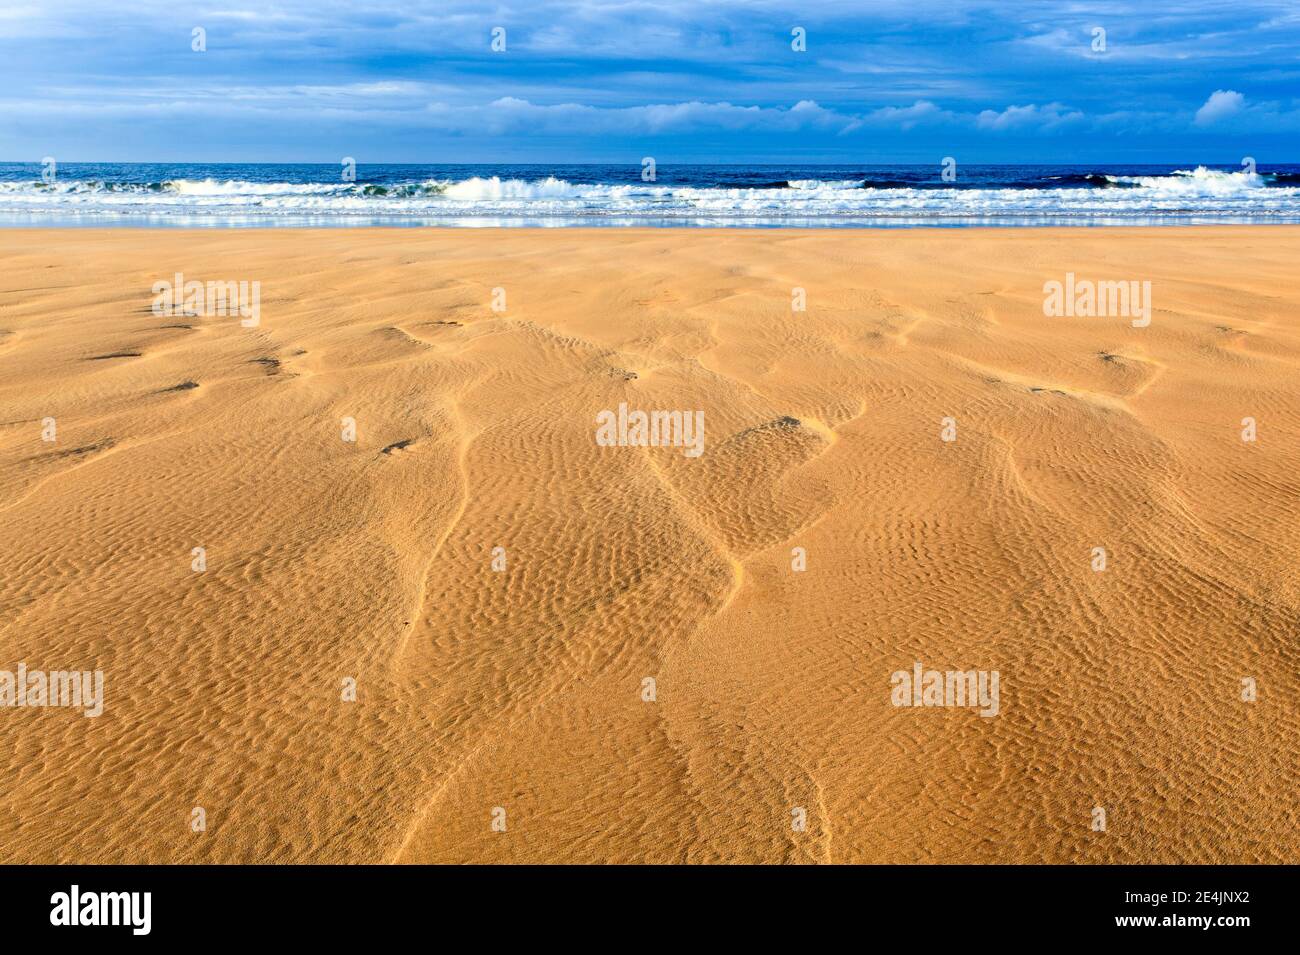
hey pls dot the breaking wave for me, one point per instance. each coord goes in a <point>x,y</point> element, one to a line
<point>1202,194</point>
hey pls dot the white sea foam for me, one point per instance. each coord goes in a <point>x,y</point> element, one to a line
<point>818,184</point>
<point>239,187</point>
<point>1194,194</point>
<point>1198,182</point>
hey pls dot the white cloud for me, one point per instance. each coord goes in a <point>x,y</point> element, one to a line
<point>1221,105</point>
<point>511,114</point>
<point>906,117</point>
<point>1033,116</point>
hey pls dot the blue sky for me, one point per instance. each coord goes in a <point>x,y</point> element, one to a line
<point>682,81</point>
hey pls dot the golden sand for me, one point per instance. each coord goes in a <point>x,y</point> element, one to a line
<point>523,688</point>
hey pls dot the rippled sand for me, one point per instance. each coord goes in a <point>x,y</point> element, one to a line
<point>523,688</point>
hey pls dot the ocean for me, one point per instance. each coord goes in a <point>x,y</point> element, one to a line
<point>221,195</point>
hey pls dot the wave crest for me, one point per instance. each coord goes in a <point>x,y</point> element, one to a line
<point>1188,193</point>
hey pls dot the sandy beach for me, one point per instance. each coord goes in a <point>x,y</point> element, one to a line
<point>475,633</point>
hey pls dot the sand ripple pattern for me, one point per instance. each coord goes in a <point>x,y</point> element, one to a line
<point>521,688</point>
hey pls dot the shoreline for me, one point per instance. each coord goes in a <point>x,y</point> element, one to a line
<point>652,230</point>
<point>538,225</point>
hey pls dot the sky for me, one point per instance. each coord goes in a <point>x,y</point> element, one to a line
<point>694,81</point>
